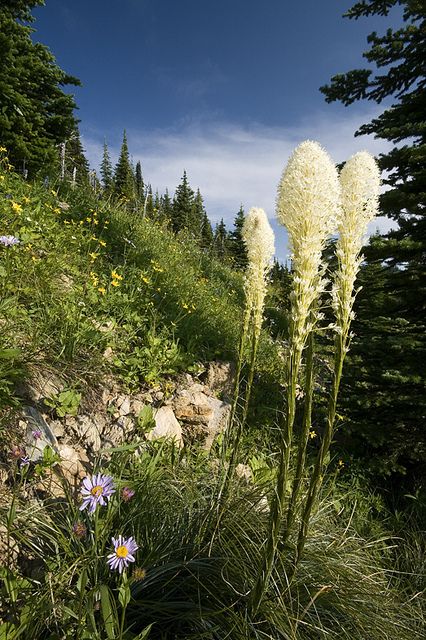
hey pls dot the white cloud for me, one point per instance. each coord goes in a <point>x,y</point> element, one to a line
<point>234,164</point>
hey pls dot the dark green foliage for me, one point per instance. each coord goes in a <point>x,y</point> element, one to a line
<point>106,169</point>
<point>206,232</point>
<point>35,113</point>
<point>220,240</point>
<point>139,186</point>
<point>75,161</point>
<point>236,244</point>
<point>183,206</point>
<point>383,393</point>
<point>198,216</point>
<point>166,208</point>
<point>148,206</point>
<point>124,184</point>
<point>278,300</point>
<point>384,377</point>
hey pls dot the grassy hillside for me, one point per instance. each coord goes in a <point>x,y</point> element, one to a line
<point>88,278</point>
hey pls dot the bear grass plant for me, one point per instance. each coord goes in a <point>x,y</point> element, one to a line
<point>195,565</point>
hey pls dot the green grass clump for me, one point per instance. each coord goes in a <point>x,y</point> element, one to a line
<point>195,567</point>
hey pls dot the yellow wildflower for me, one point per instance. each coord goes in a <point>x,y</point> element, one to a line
<point>115,283</point>
<point>102,243</point>
<point>25,200</point>
<point>16,207</point>
<point>3,150</point>
<point>145,279</point>
<point>116,275</point>
<point>102,290</point>
<point>1,178</point>
<point>88,219</point>
<point>93,256</point>
<point>312,434</point>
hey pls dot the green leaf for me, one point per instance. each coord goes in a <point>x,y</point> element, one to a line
<point>145,633</point>
<point>124,593</point>
<point>107,612</point>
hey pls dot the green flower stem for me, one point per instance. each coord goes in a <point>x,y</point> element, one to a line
<point>233,433</point>
<point>240,426</point>
<point>304,437</point>
<point>277,506</point>
<point>317,476</point>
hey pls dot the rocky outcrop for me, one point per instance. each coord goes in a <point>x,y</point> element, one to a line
<point>186,410</point>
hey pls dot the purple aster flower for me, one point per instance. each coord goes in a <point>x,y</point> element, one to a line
<point>127,494</point>
<point>9,241</point>
<point>96,490</point>
<point>123,553</point>
<point>24,462</point>
<point>36,434</point>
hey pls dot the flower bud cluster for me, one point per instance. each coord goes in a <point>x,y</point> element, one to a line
<point>360,183</point>
<point>259,240</point>
<point>308,205</point>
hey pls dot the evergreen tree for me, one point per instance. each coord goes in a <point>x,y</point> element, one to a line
<point>156,205</point>
<point>386,404</point>
<point>182,205</point>
<point>149,203</point>
<point>166,207</point>
<point>206,233</point>
<point>35,113</point>
<point>106,169</point>
<point>237,247</point>
<point>123,177</point>
<point>139,186</point>
<point>75,160</point>
<point>220,240</point>
<point>198,214</point>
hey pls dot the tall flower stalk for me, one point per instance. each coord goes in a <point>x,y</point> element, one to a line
<point>307,205</point>
<point>259,240</point>
<point>360,182</point>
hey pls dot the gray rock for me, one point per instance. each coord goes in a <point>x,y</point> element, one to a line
<point>43,384</point>
<point>218,421</point>
<point>126,424</point>
<point>220,379</point>
<point>125,407</point>
<point>36,445</point>
<point>136,407</point>
<point>58,428</point>
<point>192,406</point>
<point>88,432</point>
<point>166,426</point>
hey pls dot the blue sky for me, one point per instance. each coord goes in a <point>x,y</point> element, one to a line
<point>224,89</point>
